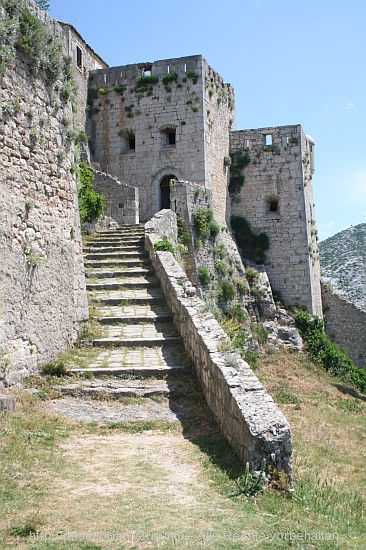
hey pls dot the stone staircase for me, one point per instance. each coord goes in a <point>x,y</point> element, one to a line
<point>139,353</point>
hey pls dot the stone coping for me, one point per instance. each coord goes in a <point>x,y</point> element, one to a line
<point>247,415</point>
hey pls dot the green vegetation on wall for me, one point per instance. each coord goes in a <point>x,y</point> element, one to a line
<point>239,161</point>
<point>91,203</point>
<point>325,352</point>
<point>23,32</point>
<point>204,223</point>
<point>253,246</point>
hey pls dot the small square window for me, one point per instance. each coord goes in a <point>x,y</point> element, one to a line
<point>273,205</point>
<point>168,136</point>
<point>268,140</point>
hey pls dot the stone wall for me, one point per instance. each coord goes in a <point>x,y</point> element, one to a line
<point>42,284</point>
<point>246,414</point>
<point>84,60</point>
<point>178,128</point>
<point>345,324</point>
<point>277,199</point>
<point>121,200</point>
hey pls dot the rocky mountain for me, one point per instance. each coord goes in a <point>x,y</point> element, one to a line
<point>343,264</point>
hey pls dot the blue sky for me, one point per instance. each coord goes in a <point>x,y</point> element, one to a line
<point>290,62</point>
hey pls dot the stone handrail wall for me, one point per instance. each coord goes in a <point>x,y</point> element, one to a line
<point>345,324</point>
<point>247,416</point>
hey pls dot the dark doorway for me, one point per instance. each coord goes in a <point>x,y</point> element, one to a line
<point>165,191</point>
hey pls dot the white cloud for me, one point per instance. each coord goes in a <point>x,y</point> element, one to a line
<point>350,106</point>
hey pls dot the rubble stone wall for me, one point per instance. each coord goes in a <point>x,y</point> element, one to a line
<point>42,284</point>
<point>345,324</point>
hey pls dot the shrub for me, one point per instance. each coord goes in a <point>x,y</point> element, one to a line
<point>201,221</point>
<point>252,276</point>
<point>56,368</point>
<point>251,357</point>
<point>119,88</point>
<point>238,313</point>
<point>169,77</point>
<point>221,267</point>
<point>184,236</point>
<point>225,291</point>
<point>214,229</point>
<point>145,83</point>
<point>192,75</point>
<point>242,287</point>
<point>37,41</point>
<point>91,203</point>
<point>204,275</point>
<point>164,245</point>
<point>325,352</point>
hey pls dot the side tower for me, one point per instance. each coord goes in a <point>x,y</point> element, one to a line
<point>150,123</point>
<point>277,198</point>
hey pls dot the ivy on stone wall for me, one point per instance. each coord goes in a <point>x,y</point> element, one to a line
<point>239,161</point>
<point>253,246</point>
<point>91,203</point>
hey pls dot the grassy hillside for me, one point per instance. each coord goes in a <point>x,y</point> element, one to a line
<point>161,485</point>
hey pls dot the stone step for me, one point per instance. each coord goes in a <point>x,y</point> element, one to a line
<point>121,238</point>
<point>140,371</point>
<point>134,312</point>
<point>141,358</point>
<point>119,233</point>
<point>148,330</point>
<point>135,254</point>
<point>122,301</point>
<point>136,342</point>
<point>117,388</point>
<point>127,283</point>
<point>120,264</point>
<point>128,272</point>
<point>92,249</point>
<point>162,318</point>
<point>133,296</point>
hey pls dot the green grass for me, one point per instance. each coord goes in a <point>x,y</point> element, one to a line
<point>175,483</point>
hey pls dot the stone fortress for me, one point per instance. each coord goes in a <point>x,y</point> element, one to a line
<point>173,120</point>
<point>151,126</point>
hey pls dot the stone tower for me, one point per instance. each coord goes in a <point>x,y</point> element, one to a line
<point>277,198</point>
<point>153,122</point>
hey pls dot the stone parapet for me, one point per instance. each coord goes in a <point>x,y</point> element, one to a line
<point>245,413</point>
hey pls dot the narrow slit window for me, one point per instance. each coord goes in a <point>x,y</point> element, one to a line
<point>268,140</point>
<point>79,57</point>
<point>131,143</point>
<point>171,137</point>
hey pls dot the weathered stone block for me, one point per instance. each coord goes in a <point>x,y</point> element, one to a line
<point>7,403</point>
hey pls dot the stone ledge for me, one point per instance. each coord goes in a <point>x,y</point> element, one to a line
<point>246,414</point>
